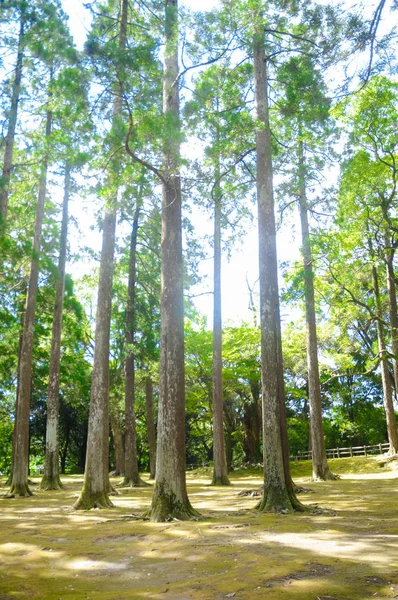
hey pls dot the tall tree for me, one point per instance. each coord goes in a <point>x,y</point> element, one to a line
<point>51,480</point>
<point>19,484</point>
<point>96,478</point>
<point>306,128</point>
<point>170,498</point>
<point>278,488</point>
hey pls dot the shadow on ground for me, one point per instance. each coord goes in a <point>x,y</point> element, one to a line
<point>349,552</point>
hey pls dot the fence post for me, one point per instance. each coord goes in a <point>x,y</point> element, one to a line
<point>338,452</point>
<point>351,451</point>
<point>364,451</point>
<point>381,449</point>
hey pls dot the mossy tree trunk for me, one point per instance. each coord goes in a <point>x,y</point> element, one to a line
<point>150,427</point>
<point>12,123</point>
<point>220,473</point>
<point>96,486</point>
<point>278,492</point>
<point>385,373</point>
<point>170,498</point>
<point>320,467</point>
<point>20,467</point>
<point>51,479</point>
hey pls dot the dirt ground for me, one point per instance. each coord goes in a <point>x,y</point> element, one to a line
<point>346,550</point>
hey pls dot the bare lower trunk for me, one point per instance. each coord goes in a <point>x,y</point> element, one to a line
<point>170,498</point>
<point>19,484</point>
<point>320,468</point>
<point>12,122</point>
<point>220,473</point>
<point>131,475</point>
<point>96,486</point>
<point>150,427</point>
<point>385,375</point>
<point>51,480</point>
<point>277,493</point>
<point>117,433</point>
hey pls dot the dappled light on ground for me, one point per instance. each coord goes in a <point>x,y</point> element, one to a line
<point>346,548</point>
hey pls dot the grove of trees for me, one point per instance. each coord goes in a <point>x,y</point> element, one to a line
<point>277,112</point>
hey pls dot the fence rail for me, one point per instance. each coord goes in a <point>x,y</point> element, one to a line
<point>342,452</point>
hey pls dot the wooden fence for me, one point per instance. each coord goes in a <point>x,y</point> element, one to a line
<point>344,452</point>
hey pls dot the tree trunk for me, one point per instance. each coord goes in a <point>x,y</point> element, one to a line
<point>51,480</point>
<point>320,467</point>
<point>131,475</point>
<point>22,304</point>
<point>278,494</point>
<point>392,305</point>
<point>170,498</point>
<point>64,452</point>
<point>96,485</point>
<point>252,427</point>
<point>117,433</point>
<point>385,375</point>
<point>12,122</point>
<point>220,473</point>
<point>19,484</point>
<point>150,427</point>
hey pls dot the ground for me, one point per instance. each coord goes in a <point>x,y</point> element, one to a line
<point>345,550</point>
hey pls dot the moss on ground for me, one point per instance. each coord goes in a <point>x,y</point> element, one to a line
<point>346,549</point>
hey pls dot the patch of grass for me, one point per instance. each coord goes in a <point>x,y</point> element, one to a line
<point>340,466</point>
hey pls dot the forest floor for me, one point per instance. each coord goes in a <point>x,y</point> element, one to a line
<point>344,549</point>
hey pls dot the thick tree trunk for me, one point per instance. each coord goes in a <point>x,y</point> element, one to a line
<point>131,475</point>
<point>51,480</point>
<point>12,122</point>
<point>278,493</point>
<point>19,484</point>
<point>392,305</point>
<point>220,473</point>
<point>170,498</point>
<point>96,485</point>
<point>117,434</point>
<point>320,467</point>
<point>385,375</point>
<point>150,427</point>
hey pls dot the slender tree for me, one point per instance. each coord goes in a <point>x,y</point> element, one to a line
<point>19,484</point>
<point>51,479</point>
<point>131,474</point>
<point>385,374</point>
<point>96,478</point>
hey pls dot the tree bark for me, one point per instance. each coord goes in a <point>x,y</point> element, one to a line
<point>385,375</point>
<point>118,442</point>
<point>150,427</point>
<point>96,485</point>
<point>392,305</point>
<point>220,473</point>
<point>170,498</point>
<point>51,480</point>
<point>19,484</point>
<point>320,467</point>
<point>12,122</point>
<point>131,475</point>
<point>278,494</point>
